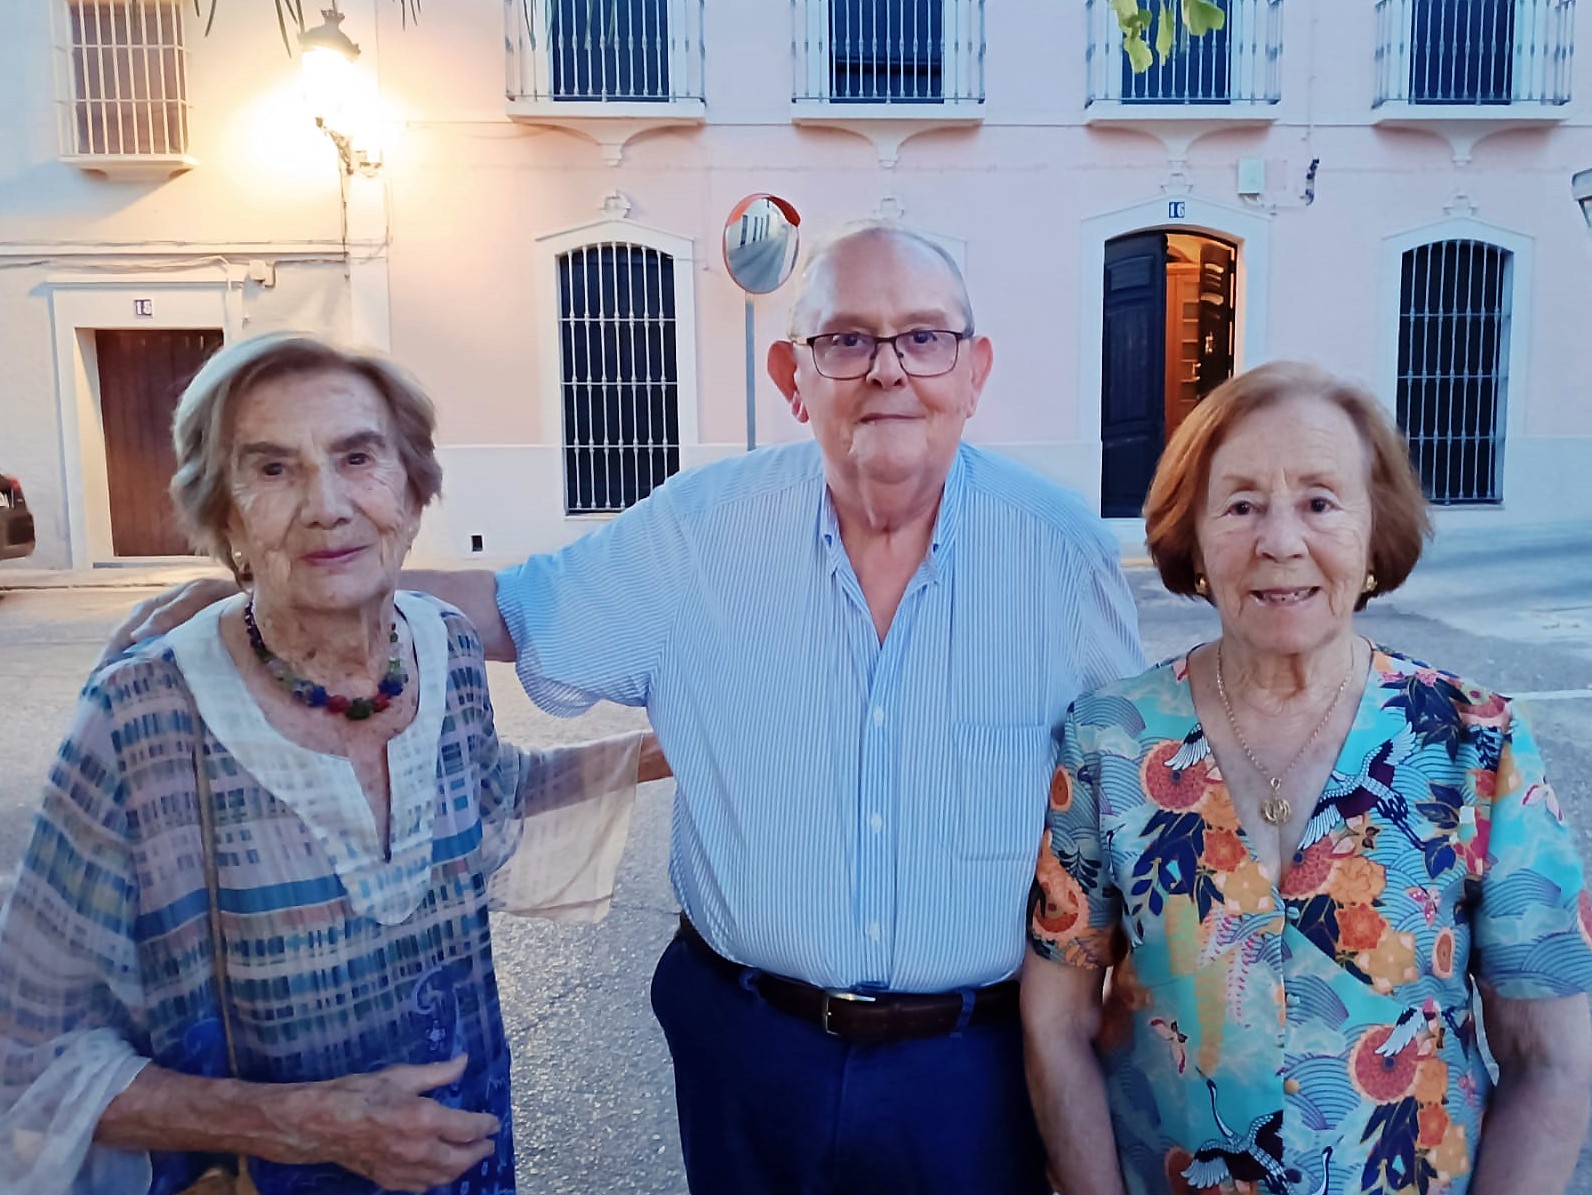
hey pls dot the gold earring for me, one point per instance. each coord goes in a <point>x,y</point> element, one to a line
<point>1370,584</point>
<point>1202,586</point>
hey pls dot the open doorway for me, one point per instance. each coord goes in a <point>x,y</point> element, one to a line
<point>1169,341</point>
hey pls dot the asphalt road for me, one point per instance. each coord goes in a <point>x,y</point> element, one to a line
<point>593,1091</point>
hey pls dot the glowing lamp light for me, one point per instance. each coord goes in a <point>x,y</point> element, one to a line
<point>332,87</point>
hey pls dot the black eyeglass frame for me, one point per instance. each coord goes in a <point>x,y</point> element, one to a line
<point>956,356</point>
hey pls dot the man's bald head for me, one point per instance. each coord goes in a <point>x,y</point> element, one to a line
<point>829,259</point>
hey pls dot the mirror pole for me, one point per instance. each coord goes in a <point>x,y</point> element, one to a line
<point>751,374</point>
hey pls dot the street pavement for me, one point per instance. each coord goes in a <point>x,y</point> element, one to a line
<point>593,1091</point>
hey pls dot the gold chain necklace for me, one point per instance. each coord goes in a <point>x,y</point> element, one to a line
<point>1276,810</point>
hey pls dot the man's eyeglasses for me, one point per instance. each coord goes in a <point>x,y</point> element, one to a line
<point>923,352</point>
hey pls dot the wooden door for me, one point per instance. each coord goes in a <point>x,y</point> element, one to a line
<point>141,375</point>
<point>1133,389</point>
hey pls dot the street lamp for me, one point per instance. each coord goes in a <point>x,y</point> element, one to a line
<point>1581,188</point>
<point>326,59</point>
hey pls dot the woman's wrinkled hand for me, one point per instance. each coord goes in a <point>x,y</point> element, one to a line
<point>383,1126</point>
<point>165,610</point>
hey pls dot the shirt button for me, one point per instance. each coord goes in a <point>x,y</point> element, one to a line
<point>1290,1086</point>
<point>875,823</point>
<point>874,931</point>
<point>1293,913</point>
<point>878,715</point>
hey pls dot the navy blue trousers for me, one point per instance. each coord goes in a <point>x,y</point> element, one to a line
<point>772,1105</point>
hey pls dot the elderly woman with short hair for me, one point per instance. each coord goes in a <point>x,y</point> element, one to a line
<point>1303,855</point>
<point>307,777</point>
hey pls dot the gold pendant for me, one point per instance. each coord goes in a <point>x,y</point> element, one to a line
<point>1275,809</point>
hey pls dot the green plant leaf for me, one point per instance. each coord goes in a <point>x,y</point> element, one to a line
<point>1201,16</point>
<point>1165,32</point>
<point>1138,51</point>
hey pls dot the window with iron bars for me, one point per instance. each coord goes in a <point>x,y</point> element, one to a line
<point>128,74</point>
<point>620,375</point>
<point>1461,51</point>
<point>610,49</point>
<point>886,51</point>
<point>1199,71</point>
<point>1454,311</point>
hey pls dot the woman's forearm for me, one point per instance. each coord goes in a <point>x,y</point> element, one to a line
<point>1069,1096</point>
<point>1533,1133</point>
<point>165,1110</point>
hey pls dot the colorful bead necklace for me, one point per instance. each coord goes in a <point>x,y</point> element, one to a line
<point>306,692</point>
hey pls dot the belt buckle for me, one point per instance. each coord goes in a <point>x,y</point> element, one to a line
<point>833,994</point>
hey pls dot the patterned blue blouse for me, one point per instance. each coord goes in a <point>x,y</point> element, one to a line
<point>344,955</point>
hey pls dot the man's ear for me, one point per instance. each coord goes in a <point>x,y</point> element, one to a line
<point>981,355</point>
<point>782,368</point>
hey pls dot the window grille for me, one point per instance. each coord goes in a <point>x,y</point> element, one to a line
<point>1453,367</point>
<point>889,52</point>
<point>129,88</point>
<point>1240,63</point>
<point>886,51</point>
<point>1199,70</point>
<point>1461,51</point>
<point>620,371</point>
<point>610,49</point>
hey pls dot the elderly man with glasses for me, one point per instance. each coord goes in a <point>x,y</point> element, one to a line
<point>854,653</point>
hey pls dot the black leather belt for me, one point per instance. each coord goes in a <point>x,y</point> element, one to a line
<point>861,1017</point>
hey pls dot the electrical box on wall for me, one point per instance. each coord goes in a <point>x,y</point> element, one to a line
<point>1251,176</point>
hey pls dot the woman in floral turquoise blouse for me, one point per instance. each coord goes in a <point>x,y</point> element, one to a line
<point>1303,855</point>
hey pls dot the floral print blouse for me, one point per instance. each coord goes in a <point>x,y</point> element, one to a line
<point>1313,1033</point>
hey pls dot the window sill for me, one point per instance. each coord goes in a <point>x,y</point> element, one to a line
<point>609,124</point>
<point>133,167</point>
<point>1118,114</point>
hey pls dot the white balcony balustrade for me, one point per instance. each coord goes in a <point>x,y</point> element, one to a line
<point>1473,54</point>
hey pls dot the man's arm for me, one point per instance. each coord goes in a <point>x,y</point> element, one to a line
<point>379,1125</point>
<point>1061,1015</point>
<point>474,592</point>
<point>1538,1115</point>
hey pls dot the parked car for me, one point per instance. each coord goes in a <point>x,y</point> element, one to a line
<point>16,523</point>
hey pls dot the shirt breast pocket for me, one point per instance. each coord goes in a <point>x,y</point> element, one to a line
<point>1003,774</point>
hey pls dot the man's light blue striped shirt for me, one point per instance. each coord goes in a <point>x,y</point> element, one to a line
<point>850,813</point>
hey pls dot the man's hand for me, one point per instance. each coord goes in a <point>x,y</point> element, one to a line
<point>384,1127</point>
<point>164,611</point>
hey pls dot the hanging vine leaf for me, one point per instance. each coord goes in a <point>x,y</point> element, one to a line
<point>1165,32</point>
<point>1201,16</point>
<point>1198,17</point>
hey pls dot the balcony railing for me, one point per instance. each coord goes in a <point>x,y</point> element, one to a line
<point>605,52</point>
<point>1240,63</point>
<point>1473,52</point>
<point>909,55</point>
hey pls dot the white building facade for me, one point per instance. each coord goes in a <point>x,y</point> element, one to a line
<point>532,223</point>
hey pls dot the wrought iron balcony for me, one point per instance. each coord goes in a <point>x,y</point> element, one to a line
<point>604,54</point>
<point>1238,64</point>
<point>1473,54</point>
<point>910,58</point>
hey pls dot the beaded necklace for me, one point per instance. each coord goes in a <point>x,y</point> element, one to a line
<point>306,692</point>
